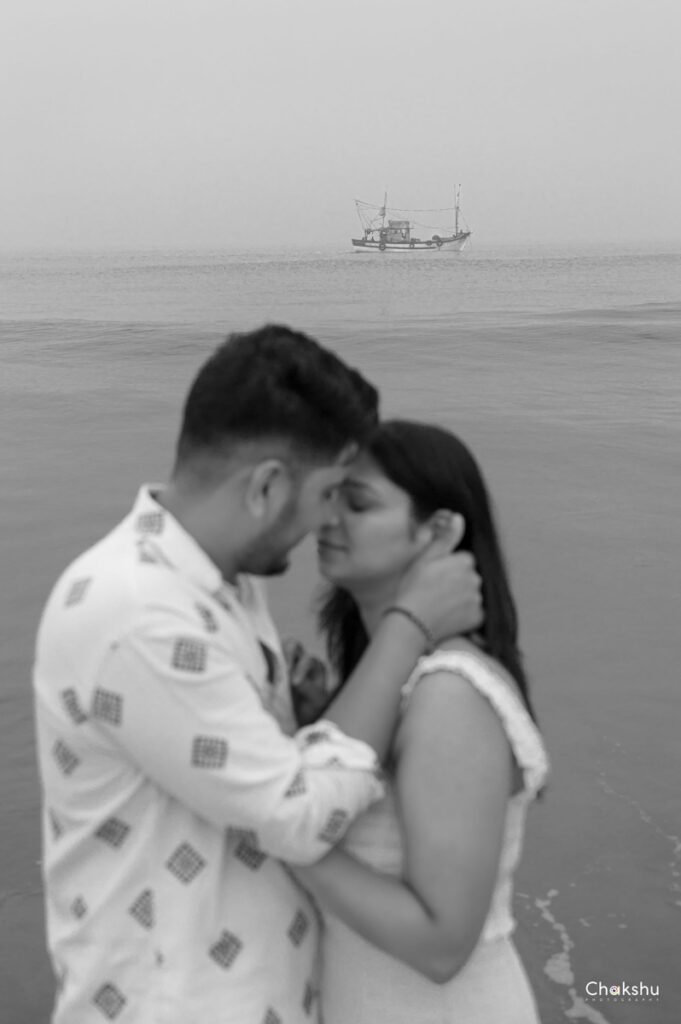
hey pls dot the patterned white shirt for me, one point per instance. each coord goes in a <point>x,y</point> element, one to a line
<point>173,778</point>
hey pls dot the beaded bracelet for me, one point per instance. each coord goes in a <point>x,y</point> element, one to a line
<point>419,623</point>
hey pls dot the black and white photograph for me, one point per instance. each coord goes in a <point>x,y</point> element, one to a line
<point>340,399</point>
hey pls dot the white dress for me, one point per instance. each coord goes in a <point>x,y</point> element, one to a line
<point>363,985</point>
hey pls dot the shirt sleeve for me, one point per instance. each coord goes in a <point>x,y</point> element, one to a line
<point>184,711</point>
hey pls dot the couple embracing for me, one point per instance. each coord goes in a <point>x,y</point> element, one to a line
<point>220,845</point>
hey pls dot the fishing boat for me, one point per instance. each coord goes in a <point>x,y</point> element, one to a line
<point>385,233</point>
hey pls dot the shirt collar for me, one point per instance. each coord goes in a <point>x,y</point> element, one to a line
<point>153,524</point>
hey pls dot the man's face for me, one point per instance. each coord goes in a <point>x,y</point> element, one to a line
<point>310,505</point>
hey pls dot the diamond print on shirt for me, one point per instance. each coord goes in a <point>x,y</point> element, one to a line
<point>207,617</point>
<point>108,706</point>
<point>271,1017</point>
<point>185,863</point>
<point>249,855</point>
<point>109,1000</point>
<point>77,592</point>
<point>334,827</point>
<point>79,907</point>
<point>150,522</point>
<point>298,928</point>
<point>226,949</point>
<point>209,752</point>
<point>246,835</point>
<point>113,831</point>
<point>143,909</point>
<point>189,655</point>
<point>65,758</point>
<point>298,785</point>
<point>73,709</point>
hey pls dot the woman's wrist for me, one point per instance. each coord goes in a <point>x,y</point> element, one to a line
<point>406,613</point>
<point>398,631</point>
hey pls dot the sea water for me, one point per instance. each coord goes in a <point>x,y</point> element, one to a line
<point>562,369</point>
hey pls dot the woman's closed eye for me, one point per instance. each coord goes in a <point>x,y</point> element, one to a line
<point>355,497</point>
<point>356,504</point>
<point>352,501</point>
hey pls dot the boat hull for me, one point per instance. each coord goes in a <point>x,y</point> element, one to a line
<point>452,242</point>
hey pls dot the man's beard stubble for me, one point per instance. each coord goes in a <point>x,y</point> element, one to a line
<point>269,554</point>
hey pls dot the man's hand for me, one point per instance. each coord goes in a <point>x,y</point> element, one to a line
<point>308,678</point>
<point>443,589</point>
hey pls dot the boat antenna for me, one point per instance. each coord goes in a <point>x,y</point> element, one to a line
<point>383,208</point>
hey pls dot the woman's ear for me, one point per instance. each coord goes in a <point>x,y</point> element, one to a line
<point>447,528</point>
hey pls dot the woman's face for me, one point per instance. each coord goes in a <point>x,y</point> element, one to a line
<point>374,537</point>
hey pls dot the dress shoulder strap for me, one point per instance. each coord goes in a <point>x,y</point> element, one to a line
<point>493,682</point>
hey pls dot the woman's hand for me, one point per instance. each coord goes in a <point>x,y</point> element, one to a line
<point>442,587</point>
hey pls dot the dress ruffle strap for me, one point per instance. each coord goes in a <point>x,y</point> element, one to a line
<point>523,735</point>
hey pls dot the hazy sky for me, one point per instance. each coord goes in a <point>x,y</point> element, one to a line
<point>255,122</point>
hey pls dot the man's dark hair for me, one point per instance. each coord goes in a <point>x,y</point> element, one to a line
<point>275,383</point>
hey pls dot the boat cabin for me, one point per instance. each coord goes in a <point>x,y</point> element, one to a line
<point>396,231</point>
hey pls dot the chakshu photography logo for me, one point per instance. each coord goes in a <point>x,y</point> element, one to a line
<point>622,992</point>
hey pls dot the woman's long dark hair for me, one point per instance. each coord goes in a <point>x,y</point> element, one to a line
<point>437,471</point>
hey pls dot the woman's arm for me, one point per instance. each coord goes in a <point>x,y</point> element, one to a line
<point>443,590</point>
<point>453,783</point>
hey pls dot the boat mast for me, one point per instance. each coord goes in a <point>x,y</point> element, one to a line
<point>456,209</point>
<point>383,208</point>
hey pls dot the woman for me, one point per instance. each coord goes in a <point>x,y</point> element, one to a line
<point>418,900</point>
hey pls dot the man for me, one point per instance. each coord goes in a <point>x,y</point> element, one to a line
<point>175,782</point>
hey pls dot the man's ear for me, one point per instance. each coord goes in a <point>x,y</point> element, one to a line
<point>447,529</point>
<point>268,489</point>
